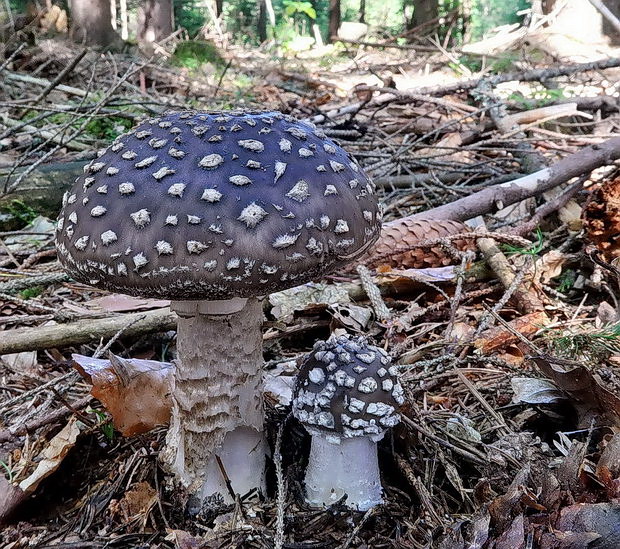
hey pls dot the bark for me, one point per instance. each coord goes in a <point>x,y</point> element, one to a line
<point>217,391</point>
<point>155,20</point>
<point>124,25</point>
<point>262,21</point>
<point>334,19</point>
<point>91,330</point>
<point>424,11</point>
<point>485,201</point>
<point>362,18</point>
<point>91,22</point>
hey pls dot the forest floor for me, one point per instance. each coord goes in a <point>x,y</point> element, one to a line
<point>507,339</point>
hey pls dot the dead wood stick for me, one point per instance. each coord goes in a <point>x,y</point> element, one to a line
<point>607,14</point>
<point>160,320</point>
<point>10,434</point>
<point>505,194</point>
<point>76,333</point>
<point>59,78</point>
<point>27,79</point>
<point>53,136</point>
<point>548,208</point>
<point>524,297</point>
<point>465,85</point>
<point>523,76</point>
<point>412,47</point>
<point>529,158</point>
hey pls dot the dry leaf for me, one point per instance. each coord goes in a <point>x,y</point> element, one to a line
<point>532,390</point>
<point>550,265</point>
<point>136,503</point>
<point>135,392</point>
<point>583,387</point>
<point>285,303</point>
<point>184,540</point>
<point>353,317</point>
<point>52,456</point>
<point>493,339</point>
<point>25,362</point>
<point>10,497</point>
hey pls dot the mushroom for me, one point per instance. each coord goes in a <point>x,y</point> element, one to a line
<point>346,396</point>
<point>212,211</point>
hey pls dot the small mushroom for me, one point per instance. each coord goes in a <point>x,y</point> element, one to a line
<point>212,211</point>
<point>347,395</point>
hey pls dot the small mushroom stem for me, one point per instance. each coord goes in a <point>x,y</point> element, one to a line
<point>350,467</point>
<point>217,398</point>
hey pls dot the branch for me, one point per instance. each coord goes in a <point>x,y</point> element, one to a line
<point>505,194</point>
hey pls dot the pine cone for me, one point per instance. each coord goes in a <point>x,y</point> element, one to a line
<point>601,218</point>
<point>405,234</point>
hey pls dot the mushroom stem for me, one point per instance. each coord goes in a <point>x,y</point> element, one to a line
<point>350,467</point>
<point>217,397</point>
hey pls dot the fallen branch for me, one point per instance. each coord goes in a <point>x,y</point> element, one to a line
<point>505,194</point>
<point>77,333</point>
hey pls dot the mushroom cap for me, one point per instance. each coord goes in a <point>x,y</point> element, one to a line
<point>197,205</point>
<point>347,388</point>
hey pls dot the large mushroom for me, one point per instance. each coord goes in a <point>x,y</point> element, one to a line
<point>347,395</point>
<point>212,210</point>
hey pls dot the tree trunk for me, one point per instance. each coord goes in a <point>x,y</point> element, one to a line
<point>262,21</point>
<point>362,18</point>
<point>219,6</point>
<point>91,22</point>
<point>155,20</point>
<point>124,26</point>
<point>113,14</point>
<point>424,10</point>
<point>334,18</point>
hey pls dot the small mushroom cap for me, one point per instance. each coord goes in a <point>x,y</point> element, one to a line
<point>215,205</point>
<point>347,388</point>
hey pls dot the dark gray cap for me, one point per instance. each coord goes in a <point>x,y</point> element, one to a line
<point>347,388</point>
<point>216,205</point>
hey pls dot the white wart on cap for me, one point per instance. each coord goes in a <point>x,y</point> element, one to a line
<point>215,205</point>
<point>347,388</point>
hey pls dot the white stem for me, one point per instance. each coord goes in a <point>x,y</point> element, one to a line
<point>350,467</point>
<point>217,398</point>
<point>243,457</point>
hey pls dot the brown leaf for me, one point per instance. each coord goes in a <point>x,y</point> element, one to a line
<point>184,540</point>
<point>498,338</point>
<point>135,392</point>
<point>52,456</point>
<point>10,497</point>
<point>583,386</point>
<point>514,537</point>
<point>602,218</point>
<point>135,503</point>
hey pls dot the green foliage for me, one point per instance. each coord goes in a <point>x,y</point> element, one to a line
<point>29,293</point>
<point>107,128</point>
<point>104,423</point>
<point>594,346</point>
<point>294,7</point>
<point>190,15</point>
<point>8,473</point>
<point>533,250</point>
<point>20,211</point>
<point>489,14</point>
<point>540,97</point>
<point>566,280</point>
<point>192,54</point>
